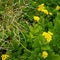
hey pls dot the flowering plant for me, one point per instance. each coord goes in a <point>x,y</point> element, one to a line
<point>29,30</point>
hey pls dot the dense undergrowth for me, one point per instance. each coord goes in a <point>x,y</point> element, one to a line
<point>29,30</point>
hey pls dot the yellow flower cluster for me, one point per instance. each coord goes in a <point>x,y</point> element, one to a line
<point>36,18</point>
<point>48,36</point>
<point>57,7</point>
<point>4,56</point>
<point>44,54</point>
<point>42,9</point>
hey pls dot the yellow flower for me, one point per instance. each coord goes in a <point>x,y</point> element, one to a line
<point>50,13</point>
<point>40,7</point>
<point>44,54</point>
<point>36,18</point>
<point>44,33</point>
<point>4,56</point>
<point>48,36</point>
<point>45,11</point>
<point>50,33</point>
<point>57,7</point>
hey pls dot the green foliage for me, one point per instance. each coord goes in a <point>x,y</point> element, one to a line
<point>21,36</point>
